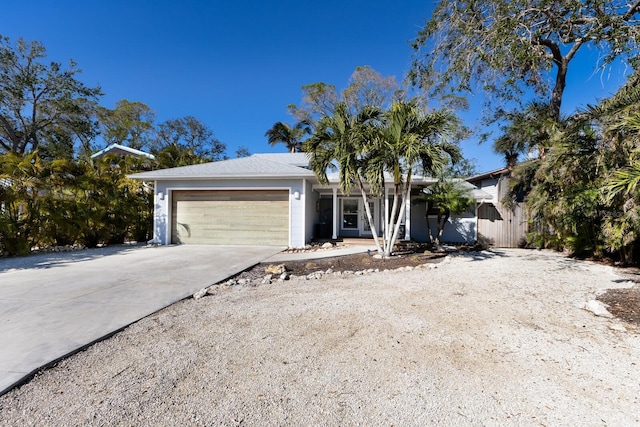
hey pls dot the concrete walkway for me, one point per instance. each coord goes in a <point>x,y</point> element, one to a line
<point>52,305</point>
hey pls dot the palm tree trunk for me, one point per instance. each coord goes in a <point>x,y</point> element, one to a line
<point>369,217</point>
<point>403,207</point>
<point>426,217</point>
<point>441,226</point>
<point>391,225</point>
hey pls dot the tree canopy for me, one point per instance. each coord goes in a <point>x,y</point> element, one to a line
<point>366,88</point>
<point>186,141</point>
<point>41,102</point>
<point>130,123</point>
<point>505,48</point>
<point>291,136</point>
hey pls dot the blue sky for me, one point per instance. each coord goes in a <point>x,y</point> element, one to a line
<point>237,65</point>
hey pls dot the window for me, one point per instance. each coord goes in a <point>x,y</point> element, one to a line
<point>350,214</point>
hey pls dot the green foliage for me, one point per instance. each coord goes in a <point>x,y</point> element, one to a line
<point>64,202</point>
<point>291,136</point>
<point>366,88</point>
<point>130,124</point>
<point>446,197</point>
<point>41,103</point>
<point>583,194</point>
<point>242,151</point>
<point>463,168</point>
<point>506,49</point>
<point>189,140</point>
<point>363,141</point>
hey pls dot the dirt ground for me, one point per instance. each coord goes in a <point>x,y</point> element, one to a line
<point>623,303</point>
<point>478,338</point>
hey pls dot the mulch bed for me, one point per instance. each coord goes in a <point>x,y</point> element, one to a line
<point>357,262</point>
<point>623,303</point>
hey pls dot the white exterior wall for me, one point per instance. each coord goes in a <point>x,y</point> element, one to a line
<point>297,224</point>
<point>311,197</point>
<point>490,186</point>
<point>459,229</point>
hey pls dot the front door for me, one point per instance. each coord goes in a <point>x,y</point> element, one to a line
<point>365,227</point>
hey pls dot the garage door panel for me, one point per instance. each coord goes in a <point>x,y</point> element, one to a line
<point>231,217</point>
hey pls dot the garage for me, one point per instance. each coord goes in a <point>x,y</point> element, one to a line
<point>230,217</point>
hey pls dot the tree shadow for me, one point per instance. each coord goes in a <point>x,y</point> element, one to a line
<point>482,255</point>
<point>60,259</point>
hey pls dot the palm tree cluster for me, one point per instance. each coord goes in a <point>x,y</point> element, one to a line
<point>583,194</point>
<point>369,145</point>
<point>64,202</point>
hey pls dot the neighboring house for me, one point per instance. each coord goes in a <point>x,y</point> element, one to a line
<point>121,150</point>
<point>274,199</point>
<point>499,225</point>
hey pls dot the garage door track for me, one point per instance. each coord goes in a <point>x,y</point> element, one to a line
<point>52,305</point>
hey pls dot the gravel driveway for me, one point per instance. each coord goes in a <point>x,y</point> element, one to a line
<point>495,338</point>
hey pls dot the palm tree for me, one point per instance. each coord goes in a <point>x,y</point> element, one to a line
<point>410,138</point>
<point>292,137</point>
<point>341,141</point>
<point>527,131</point>
<point>447,197</point>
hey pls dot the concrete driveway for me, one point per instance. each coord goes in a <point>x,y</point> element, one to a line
<point>52,305</point>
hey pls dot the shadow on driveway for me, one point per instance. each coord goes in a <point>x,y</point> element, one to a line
<point>48,313</point>
<point>56,259</point>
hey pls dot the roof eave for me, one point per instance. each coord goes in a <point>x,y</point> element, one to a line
<point>205,177</point>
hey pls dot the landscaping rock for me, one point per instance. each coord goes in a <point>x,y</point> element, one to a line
<point>327,245</point>
<point>202,292</point>
<point>275,269</point>
<point>597,308</point>
<point>266,280</point>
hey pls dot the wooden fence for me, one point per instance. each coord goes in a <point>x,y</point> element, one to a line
<point>502,227</point>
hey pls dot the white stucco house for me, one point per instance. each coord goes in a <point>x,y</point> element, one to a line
<point>275,199</point>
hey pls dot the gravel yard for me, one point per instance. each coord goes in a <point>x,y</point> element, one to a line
<point>489,338</point>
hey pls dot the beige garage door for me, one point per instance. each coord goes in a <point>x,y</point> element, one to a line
<point>230,217</point>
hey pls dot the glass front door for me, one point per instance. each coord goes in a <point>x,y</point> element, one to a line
<point>354,216</point>
<point>366,227</point>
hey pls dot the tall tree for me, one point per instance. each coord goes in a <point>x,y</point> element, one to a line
<point>242,151</point>
<point>38,98</point>
<point>340,142</point>
<point>526,132</point>
<point>582,195</point>
<point>366,88</point>
<point>291,136</point>
<point>186,141</point>
<point>464,168</point>
<point>129,123</point>
<point>410,139</point>
<point>365,146</point>
<point>506,48</point>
